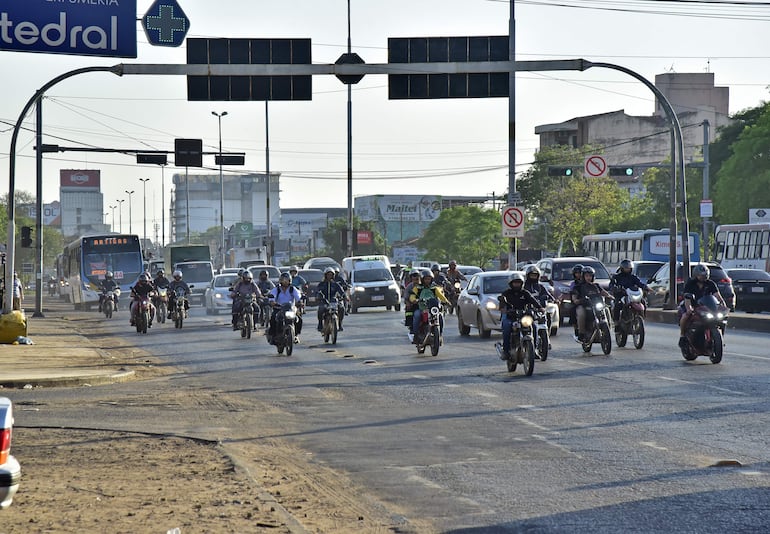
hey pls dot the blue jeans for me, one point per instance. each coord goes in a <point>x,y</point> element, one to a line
<point>507,327</point>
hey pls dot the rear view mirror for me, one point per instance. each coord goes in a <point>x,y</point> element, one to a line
<point>473,291</point>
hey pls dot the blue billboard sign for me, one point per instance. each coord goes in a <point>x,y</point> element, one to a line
<point>86,28</point>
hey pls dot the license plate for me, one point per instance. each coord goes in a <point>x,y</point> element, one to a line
<point>378,297</point>
<point>757,289</point>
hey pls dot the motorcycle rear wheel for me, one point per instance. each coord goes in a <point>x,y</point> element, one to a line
<point>543,345</point>
<point>606,339</point>
<point>637,330</point>
<point>621,337</point>
<point>528,355</point>
<point>717,346</point>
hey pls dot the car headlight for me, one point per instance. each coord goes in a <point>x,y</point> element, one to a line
<point>393,287</point>
<point>491,305</point>
<point>358,289</point>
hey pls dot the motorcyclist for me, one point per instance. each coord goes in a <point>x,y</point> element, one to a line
<point>296,280</point>
<point>284,293</point>
<point>328,289</point>
<point>619,282</point>
<point>177,282</point>
<point>533,285</point>
<point>453,275</point>
<point>264,283</point>
<point>340,279</point>
<point>141,289</point>
<point>414,279</point>
<point>580,296</point>
<point>160,281</point>
<point>438,278</point>
<point>242,288</point>
<point>108,284</point>
<point>514,298</point>
<point>577,277</point>
<point>420,293</point>
<point>696,287</point>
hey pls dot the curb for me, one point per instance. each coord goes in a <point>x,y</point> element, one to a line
<point>96,378</point>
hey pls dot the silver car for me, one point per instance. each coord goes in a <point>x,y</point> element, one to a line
<point>477,304</point>
<point>217,296</point>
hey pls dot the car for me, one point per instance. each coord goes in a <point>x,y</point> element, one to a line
<point>217,296</point>
<point>371,285</point>
<point>229,270</point>
<point>321,262</point>
<point>557,272</point>
<point>752,289</point>
<point>477,305</point>
<point>273,272</point>
<point>313,277</point>
<point>646,269</point>
<point>10,471</point>
<point>659,284</point>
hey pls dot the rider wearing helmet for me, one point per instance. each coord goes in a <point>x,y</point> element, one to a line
<point>514,298</point>
<point>108,284</point>
<point>619,282</point>
<point>438,278</point>
<point>580,296</point>
<point>284,293</point>
<point>177,282</point>
<point>244,286</point>
<point>160,280</point>
<point>296,280</point>
<point>533,285</point>
<point>327,290</point>
<point>264,283</point>
<point>414,279</point>
<point>696,287</point>
<point>452,274</point>
<point>142,289</point>
<point>421,292</point>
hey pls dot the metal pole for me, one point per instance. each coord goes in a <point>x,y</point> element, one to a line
<point>144,202</point>
<point>187,202</point>
<point>221,190</point>
<point>267,185</point>
<point>120,202</point>
<point>130,213</point>
<point>512,252</point>
<point>706,189</point>
<point>163,205</point>
<point>39,215</point>
<point>112,227</point>
<point>349,244</point>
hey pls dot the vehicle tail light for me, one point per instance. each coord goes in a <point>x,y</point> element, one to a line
<point>725,281</point>
<point>679,280</point>
<point>5,444</point>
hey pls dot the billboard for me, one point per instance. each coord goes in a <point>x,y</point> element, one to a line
<point>301,225</point>
<point>79,178</point>
<point>418,208</point>
<point>86,28</point>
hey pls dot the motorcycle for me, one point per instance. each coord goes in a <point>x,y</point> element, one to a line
<point>706,330</point>
<point>429,332</point>
<point>264,310</point>
<point>285,320</point>
<point>249,310</point>
<point>631,321</point>
<point>597,324</point>
<point>541,338</point>
<point>178,313</point>
<point>52,287</point>
<point>522,342</point>
<point>453,291</point>
<point>330,321</point>
<point>144,313</point>
<point>161,303</point>
<point>110,302</point>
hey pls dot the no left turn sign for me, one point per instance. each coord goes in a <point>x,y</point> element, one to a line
<point>513,221</point>
<point>595,167</point>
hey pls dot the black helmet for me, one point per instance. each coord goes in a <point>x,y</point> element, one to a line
<point>435,267</point>
<point>424,273</point>
<point>159,272</point>
<point>263,273</point>
<point>627,264</point>
<point>589,270</point>
<point>701,270</point>
<point>285,276</point>
<point>533,269</point>
<point>577,269</point>
<point>515,277</point>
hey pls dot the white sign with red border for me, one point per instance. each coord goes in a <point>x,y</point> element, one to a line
<point>595,167</point>
<point>513,221</point>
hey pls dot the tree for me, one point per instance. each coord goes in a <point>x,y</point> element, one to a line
<point>469,235</point>
<point>336,246</point>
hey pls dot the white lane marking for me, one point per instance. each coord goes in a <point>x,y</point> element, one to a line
<point>653,445</point>
<point>717,388</point>
<point>531,423</point>
<point>421,377</point>
<point>747,356</point>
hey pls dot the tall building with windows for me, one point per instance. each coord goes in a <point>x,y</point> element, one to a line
<point>82,202</point>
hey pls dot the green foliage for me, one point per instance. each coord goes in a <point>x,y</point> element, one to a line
<point>470,235</point>
<point>743,180</point>
<point>336,247</point>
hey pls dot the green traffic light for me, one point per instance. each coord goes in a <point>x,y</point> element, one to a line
<point>629,171</point>
<point>568,171</point>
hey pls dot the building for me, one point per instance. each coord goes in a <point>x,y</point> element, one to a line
<point>82,203</point>
<point>645,140</point>
<point>195,199</point>
<point>303,228</point>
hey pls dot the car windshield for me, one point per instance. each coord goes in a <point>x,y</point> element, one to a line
<point>748,274</point>
<point>371,275</point>
<point>312,276</point>
<point>495,284</point>
<point>195,272</point>
<point>225,280</point>
<point>645,271</point>
<point>272,272</point>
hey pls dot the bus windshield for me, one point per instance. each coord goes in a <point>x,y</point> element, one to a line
<point>121,256</point>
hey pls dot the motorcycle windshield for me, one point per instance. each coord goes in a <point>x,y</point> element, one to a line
<point>710,302</point>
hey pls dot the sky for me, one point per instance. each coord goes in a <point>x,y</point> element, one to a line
<point>444,147</point>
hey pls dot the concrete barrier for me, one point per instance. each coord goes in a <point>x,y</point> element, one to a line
<point>735,321</point>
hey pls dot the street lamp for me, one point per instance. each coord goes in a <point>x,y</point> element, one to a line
<point>144,202</point>
<point>130,216</point>
<point>221,190</point>
<point>120,203</point>
<point>113,216</point>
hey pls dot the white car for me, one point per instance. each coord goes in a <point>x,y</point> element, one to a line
<point>217,296</point>
<point>10,471</point>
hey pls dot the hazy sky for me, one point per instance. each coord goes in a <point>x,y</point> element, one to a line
<point>450,147</point>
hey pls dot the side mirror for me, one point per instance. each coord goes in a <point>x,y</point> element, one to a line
<point>473,291</point>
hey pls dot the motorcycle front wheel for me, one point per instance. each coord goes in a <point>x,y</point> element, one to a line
<point>606,339</point>
<point>145,321</point>
<point>335,329</point>
<point>248,326</point>
<point>178,318</point>
<point>435,342</point>
<point>108,309</point>
<point>716,345</point>
<point>543,345</point>
<point>621,336</point>
<point>528,355</point>
<point>162,312</point>
<point>637,330</point>
<point>289,335</point>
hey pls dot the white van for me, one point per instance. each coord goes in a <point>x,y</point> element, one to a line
<point>371,285</point>
<point>350,264</point>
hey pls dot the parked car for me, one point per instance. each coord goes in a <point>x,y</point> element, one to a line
<point>10,471</point>
<point>557,272</point>
<point>477,305</point>
<point>646,269</point>
<point>313,277</point>
<point>217,296</point>
<point>752,289</point>
<point>659,284</point>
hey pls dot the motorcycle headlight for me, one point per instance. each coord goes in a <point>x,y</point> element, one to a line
<point>720,316</point>
<point>117,292</point>
<point>526,321</point>
<point>290,315</point>
<point>709,316</point>
<point>599,306</point>
<point>434,310</point>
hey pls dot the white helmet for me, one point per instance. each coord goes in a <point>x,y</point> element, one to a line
<point>177,275</point>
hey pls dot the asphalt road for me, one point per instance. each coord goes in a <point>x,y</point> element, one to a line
<point>632,442</point>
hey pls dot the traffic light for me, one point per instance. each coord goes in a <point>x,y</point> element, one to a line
<point>559,171</point>
<point>621,170</point>
<point>26,236</point>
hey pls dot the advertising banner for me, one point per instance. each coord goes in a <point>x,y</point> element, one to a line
<point>399,208</point>
<point>79,178</point>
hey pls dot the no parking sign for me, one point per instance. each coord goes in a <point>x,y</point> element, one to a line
<point>513,221</point>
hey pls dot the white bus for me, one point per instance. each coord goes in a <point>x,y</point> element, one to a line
<point>745,246</point>
<point>87,259</point>
<point>637,245</point>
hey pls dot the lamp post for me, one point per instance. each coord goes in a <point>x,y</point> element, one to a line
<point>113,217</point>
<point>221,190</point>
<point>144,203</point>
<point>120,203</point>
<point>130,216</point>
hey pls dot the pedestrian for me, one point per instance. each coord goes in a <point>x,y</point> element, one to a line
<point>18,292</point>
